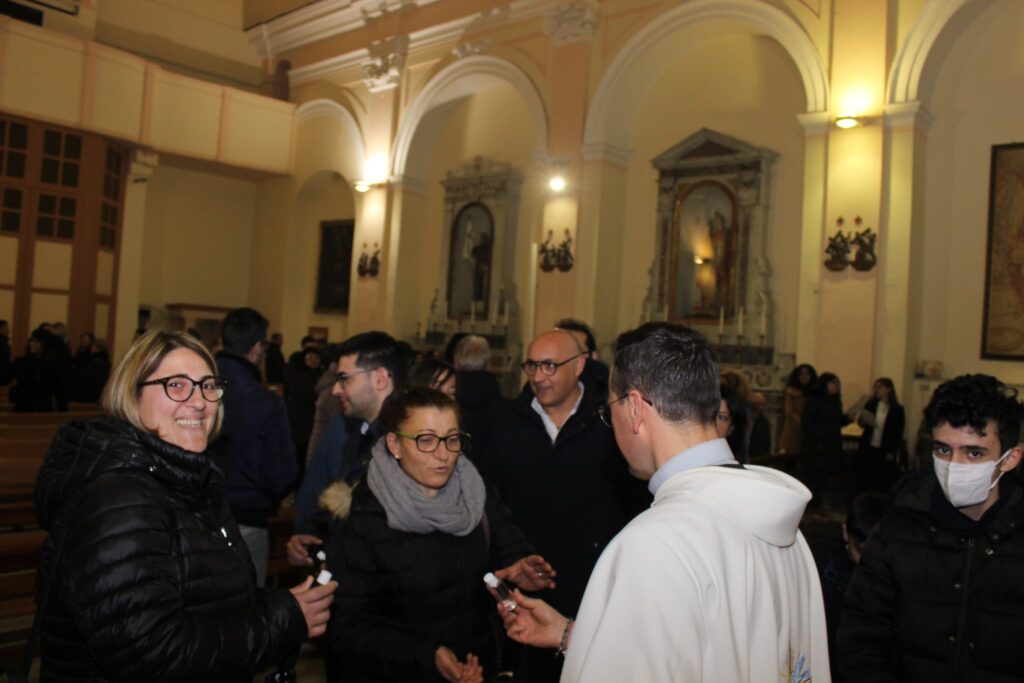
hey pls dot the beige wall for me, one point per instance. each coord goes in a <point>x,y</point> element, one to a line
<point>198,239</point>
<point>978,96</point>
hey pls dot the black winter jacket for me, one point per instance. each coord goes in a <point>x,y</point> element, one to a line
<point>892,430</point>
<point>154,582</point>
<point>570,498</point>
<point>937,597</point>
<point>402,595</point>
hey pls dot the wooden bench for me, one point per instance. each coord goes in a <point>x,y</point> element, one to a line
<point>19,555</point>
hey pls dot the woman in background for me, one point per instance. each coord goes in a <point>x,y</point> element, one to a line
<point>883,420</point>
<point>823,421</point>
<point>802,382</point>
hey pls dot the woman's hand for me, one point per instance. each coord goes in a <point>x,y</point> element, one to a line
<point>315,602</point>
<point>531,573</point>
<point>298,549</point>
<point>451,669</point>
<point>533,622</point>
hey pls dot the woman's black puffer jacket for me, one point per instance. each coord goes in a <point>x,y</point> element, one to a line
<point>402,595</point>
<point>153,582</point>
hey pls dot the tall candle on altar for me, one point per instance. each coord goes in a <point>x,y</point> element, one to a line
<point>739,324</point>
<point>764,319</point>
<point>721,320</point>
<point>472,312</point>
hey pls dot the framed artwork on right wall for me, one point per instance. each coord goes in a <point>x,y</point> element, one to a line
<point>1002,334</point>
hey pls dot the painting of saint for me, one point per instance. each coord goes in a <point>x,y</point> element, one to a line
<point>704,252</point>
<point>469,263</point>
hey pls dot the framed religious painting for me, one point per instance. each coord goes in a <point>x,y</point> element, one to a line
<point>1002,334</point>
<point>469,263</point>
<point>335,267</point>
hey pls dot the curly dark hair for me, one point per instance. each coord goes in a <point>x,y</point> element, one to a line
<point>974,400</point>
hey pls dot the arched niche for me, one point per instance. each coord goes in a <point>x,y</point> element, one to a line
<point>481,204</point>
<point>711,259</point>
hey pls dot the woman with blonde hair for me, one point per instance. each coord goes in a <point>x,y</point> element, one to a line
<point>144,575</point>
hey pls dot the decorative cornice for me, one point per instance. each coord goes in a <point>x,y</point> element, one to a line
<point>571,22</point>
<point>599,151</point>
<point>386,61</point>
<point>908,115</point>
<point>815,123</point>
<point>441,34</point>
<point>321,20</point>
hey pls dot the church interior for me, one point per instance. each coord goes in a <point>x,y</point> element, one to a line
<point>433,166</point>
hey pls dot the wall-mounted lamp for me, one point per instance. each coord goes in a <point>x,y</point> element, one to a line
<point>847,121</point>
<point>557,183</point>
<point>365,185</point>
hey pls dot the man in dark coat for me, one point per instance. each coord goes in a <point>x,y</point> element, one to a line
<point>559,471</point>
<point>274,362</point>
<point>256,439</point>
<point>938,594</point>
<point>477,393</point>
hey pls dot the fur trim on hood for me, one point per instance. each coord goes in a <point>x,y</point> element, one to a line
<point>336,499</point>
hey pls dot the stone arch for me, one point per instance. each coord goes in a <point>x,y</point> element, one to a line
<point>348,156</point>
<point>461,79</point>
<point>606,125</point>
<point>905,76</point>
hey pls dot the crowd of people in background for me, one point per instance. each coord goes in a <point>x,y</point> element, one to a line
<point>367,437</point>
<point>50,374</point>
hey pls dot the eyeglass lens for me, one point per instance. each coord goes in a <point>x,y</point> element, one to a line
<point>428,443</point>
<point>180,389</point>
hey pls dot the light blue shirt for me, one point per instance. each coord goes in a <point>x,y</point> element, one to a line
<point>714,452</point>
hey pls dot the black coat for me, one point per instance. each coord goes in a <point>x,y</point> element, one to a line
<point>154,582</point>
<point>480,404</point>
<point>938,598</point>
<point>257,441</point>
<point>892,430</point>
<point>823,421</point>
<point>402,595</point>
<point>570,498</point>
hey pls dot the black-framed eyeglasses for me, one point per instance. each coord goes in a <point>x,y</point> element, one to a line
<point>605,411</point>
<point>429,443</point>
<point>179,388</point>
<point>342,378</point>
<point>547,367</point>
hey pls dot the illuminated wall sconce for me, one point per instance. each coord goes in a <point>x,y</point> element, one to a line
<point>557,183</point>
<point>847,121</point>
<point>366,185</point>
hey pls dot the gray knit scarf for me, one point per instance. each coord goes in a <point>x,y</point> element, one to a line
<point>457,508</point>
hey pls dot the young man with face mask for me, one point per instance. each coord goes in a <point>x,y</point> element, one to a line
<point>938,595</point>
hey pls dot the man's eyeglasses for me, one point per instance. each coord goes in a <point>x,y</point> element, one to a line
<point>605,411</point>
<point>179,388</point>
<point>547,367</point>
<point>342,378</point>
<point>429,443</point>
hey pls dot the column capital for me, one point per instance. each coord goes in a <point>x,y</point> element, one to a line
<point>383,69</point>
<point>141,165</point>
<point>908,115</point>
<point>571,22</point>
<point>815,123</point>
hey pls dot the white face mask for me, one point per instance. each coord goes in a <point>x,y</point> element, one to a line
<point>966,485</point>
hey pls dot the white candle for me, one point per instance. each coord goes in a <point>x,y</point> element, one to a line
<point>739,324</point>
<point>721,320</point>
<point>764,319</point>
<point>472,312</point>
<point>504,313</point>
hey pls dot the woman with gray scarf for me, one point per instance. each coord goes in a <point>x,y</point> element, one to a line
<point>411,545</point>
